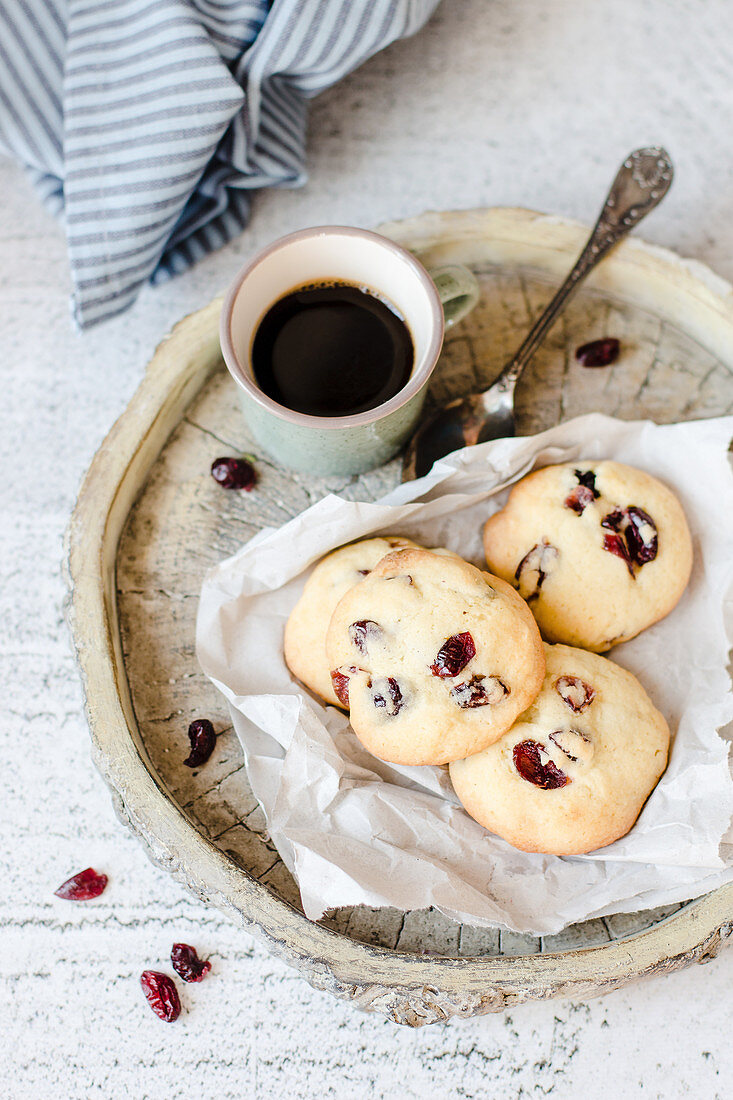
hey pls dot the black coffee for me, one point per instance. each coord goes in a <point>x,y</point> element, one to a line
<point>331,351</point>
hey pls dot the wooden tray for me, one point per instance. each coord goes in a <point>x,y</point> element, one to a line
<point>150,520</point>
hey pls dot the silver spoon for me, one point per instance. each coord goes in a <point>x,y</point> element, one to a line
<point>641,183</point>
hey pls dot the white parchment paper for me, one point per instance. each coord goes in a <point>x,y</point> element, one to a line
<point>353,829</point>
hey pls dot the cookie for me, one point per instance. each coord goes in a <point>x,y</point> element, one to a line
<point>599,550</point>
<point>305,631</point>
<point>576,768</point>
<point>435,658</point>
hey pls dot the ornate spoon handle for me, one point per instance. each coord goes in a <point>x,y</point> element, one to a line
<point>641,183</point>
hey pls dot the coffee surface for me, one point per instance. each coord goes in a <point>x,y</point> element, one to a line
<point>331,351</point>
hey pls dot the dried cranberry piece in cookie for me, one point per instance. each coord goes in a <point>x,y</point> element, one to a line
<point>587,478</point>
<point>361,630</point>
<point>340,686</point>
<point>641,535</point>
<point>454,655</point>
<point>614,520</point>
<point>529,762</point>
<point>534,567</point>
<point>575,692</point>
<point>579,499</point>
<point>386,695</point>
<point>340,681</point>
<point>615,545</point>
<point>584,493</point>
<point>635,540</point>
<point>479,691</point>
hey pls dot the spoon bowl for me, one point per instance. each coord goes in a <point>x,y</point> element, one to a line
<point>641,183</point>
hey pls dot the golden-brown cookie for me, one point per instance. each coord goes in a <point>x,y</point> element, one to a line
<point>599,550</point>
<point>305,630</point>
<point>435,658</point>
<point>574,771</point>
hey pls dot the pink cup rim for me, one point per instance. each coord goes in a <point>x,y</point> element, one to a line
<point>420,374</point>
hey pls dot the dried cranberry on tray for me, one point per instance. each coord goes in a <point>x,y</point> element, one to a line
<point>234,473</point>
<point>203,742</point>
<point>598,353</point>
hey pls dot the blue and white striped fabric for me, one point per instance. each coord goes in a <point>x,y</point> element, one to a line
<point>148,122</point>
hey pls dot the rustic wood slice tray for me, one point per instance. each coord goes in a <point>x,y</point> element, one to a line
<point>150,521</point>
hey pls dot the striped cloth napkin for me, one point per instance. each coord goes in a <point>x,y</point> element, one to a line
<point>146,123</point>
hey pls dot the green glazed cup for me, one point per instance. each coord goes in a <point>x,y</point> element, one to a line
<point>341,444</point>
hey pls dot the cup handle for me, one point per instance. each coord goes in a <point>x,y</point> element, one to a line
<point>458,290</point>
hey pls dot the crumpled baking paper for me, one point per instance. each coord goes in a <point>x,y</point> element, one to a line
<point>353,829</point>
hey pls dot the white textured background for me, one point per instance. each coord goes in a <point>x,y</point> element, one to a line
<point>497,102</point>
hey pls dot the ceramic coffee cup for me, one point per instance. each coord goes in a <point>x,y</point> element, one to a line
<point>358,442</point>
